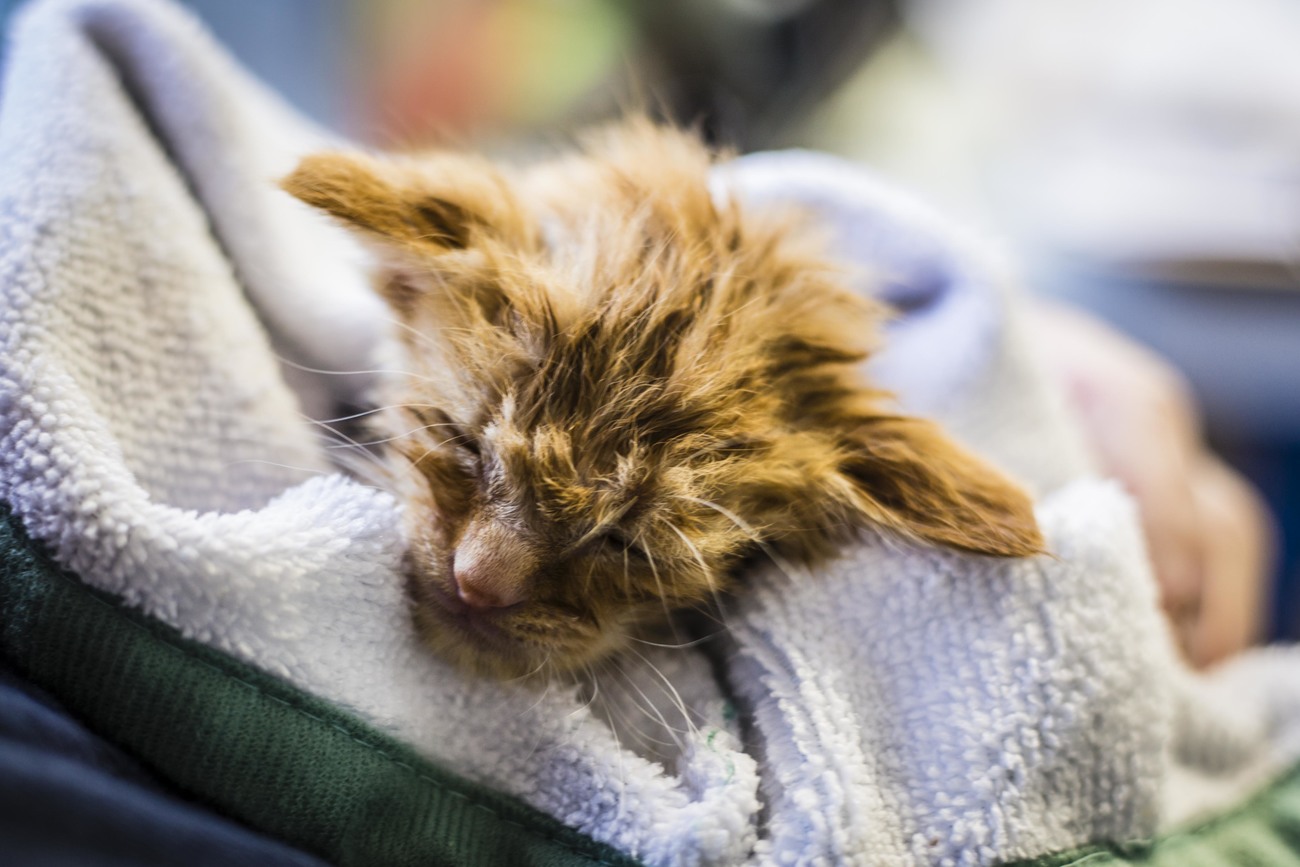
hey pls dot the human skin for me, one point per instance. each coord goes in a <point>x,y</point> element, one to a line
<point>1209,535</point>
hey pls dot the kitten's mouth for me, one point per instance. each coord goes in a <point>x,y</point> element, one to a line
<point>479,626</point>
<point>505,643</point>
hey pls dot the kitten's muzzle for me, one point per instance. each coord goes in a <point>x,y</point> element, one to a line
<point>492,567</point>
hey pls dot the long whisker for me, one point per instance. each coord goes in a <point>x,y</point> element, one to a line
<point>428,341</point>
<point>757,538</point>
<point>356,449</point>
<point>622,763</point>
<point>654,713</point>
<point>670,691</point>
<point>619,720</point>
<point>315,471</point>
<point>683,646</point>
<point>659,585</point>
<point>436,447</point>
<point>366,412</point>
<point>406,373</point>
<point>590,677</point>
<point>402,435</point>
<point>524,677</point>
<point>708,573</point>
<point>377,472</point>
<point>365,467</point>
<point>545,692</point>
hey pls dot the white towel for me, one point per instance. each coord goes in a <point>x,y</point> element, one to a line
<point>904,706</point>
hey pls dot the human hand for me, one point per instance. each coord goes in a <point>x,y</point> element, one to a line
<point>1209,534</point>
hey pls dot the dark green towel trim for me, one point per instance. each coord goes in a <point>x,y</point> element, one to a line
<point>298,768</point>
<point>253,746</point>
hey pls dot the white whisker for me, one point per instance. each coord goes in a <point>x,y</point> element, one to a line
<point>708,573</point>
<point>428,341</point>
<point>781,563</point>
<point>683,646</point>
<point>655,714</point>
<point>659,585</point>
<point>405,373</point>
<point>366,412</point>
<point>669,690</point>
<point>408,433</point>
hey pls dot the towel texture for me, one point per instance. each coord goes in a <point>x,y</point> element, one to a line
<point>165,308</point>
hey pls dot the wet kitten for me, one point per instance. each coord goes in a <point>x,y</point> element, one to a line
<point>618,389</point>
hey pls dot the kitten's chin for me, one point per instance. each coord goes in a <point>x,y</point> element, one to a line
<point>479,650</point>
<point>476,645</point>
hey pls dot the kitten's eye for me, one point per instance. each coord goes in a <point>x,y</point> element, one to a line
<point>623,546</point>
<point>429,417</point>
<point>446,431</point>
<point>458,437</point>
<point>737,446</point>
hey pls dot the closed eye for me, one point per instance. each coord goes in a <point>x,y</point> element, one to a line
<point>621,545</point>
<point>441,426</point>
<point>458,437</point>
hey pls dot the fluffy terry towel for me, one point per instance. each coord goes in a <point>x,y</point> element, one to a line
<point>166,313</point>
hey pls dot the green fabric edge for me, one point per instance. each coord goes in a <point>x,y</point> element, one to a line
<point>1262,831</point>
<point>294,766</point>
<point>253,746</point>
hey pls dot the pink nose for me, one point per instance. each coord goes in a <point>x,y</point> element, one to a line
<point>480,591</point>
<point>492,567</point>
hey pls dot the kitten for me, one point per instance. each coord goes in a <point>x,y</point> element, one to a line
<point>617,389</point>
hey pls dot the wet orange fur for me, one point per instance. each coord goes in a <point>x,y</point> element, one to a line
<point>619,388</point>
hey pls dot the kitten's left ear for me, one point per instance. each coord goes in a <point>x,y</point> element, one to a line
<point>907,476</point>
<point>428,206</point>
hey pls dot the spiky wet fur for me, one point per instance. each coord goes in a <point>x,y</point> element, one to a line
<point>628,387</point>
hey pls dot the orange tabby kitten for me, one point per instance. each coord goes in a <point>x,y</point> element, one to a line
<point>618,388</point>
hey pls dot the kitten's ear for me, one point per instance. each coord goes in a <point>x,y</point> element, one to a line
<point>909,477</point>
<point>427,206</point>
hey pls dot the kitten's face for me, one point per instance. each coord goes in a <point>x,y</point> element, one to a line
<point>616,389</point>
<point>547,542</point>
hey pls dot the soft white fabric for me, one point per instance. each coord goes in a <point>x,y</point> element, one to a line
<point>905,706</point>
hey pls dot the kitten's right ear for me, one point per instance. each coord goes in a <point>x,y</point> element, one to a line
<point>434,205</point>
<point>908,476</point>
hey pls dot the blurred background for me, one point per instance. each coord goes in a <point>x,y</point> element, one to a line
<point>1141,157</point>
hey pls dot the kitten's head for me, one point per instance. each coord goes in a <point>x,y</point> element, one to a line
<point>615,388</point>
